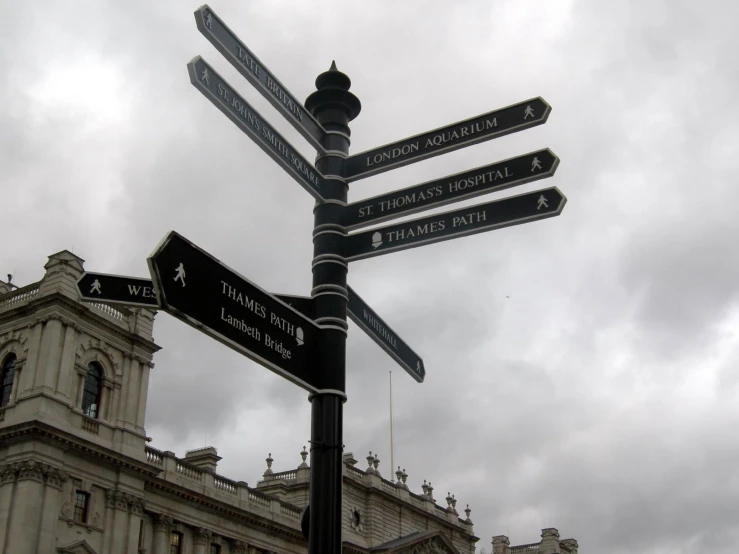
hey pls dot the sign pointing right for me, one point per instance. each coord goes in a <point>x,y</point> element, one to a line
<point>498,123</point>
<point>524,208</point>
<point>460,186</point>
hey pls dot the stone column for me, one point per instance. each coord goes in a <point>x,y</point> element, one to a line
<point>8,474</point>
<point>200,540</point>
<point>55,479</point>
<point>501,545</point>
<point>136,512</point>
<point>162,527</point>
<point>549,541</point>
<point>24,520</point>
<point>117,503</point>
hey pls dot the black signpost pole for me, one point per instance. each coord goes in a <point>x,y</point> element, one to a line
<point>333,106</point>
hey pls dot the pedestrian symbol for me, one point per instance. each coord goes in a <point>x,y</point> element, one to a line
<point>204,76</point>
<point>209,20</point>
<point>95,287</point>
<point>535,164</point>
<point>180,276</point>
<point>542,202</point>
<point>529,113</point>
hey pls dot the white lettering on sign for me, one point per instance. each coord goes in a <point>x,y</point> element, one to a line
<point>146,292</point>
<point>380,329</point>
<point>244,300</point>
<point>469,219</point>
<point>240,108</point>
<point>241,325</point>
<point>392,153</point>
<point>277,347</point>
<point>281,323</point>
<point>466,131</point>
<point>248,62</point>
<point>479,179</point>
<point>417,231</point>
<point>270,137</point>
<point>275,89</point>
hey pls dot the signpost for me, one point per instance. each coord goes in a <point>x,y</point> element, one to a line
<point>238,110</point>
<point>236,52</point>
<point>307,343</point>
<point>454,188</point>
<point>198,289</point>
<point>498,123</point>
<point>372,324</point>
<point>117,289</point>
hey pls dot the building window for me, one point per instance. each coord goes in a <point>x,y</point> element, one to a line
<point>93,388</point>
<point>175,543</point>
<point>215,548</point>
<point>7,377</point>
<point>81,503</point>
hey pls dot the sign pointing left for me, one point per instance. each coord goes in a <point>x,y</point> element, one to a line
<point>198,289</point>
<point>238,110</point>
<point>236,52</point>
<point>117,289</point>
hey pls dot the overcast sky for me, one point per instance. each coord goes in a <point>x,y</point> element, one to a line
<point>581,371</point>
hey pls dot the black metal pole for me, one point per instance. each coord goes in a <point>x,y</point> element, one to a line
<point>334,106</point>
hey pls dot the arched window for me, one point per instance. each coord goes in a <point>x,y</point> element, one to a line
<point>7,376</point>
<point>93,388</point>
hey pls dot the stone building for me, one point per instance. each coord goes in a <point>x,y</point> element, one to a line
<point>78,477</point>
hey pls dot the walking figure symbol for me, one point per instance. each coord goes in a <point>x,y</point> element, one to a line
<point>204,76</point>
<point>542,203</point>
<point>180,276</point>
<point>96,287</point>
<point>535,164</point>
<point>209,20</point>
<point>528,113</point>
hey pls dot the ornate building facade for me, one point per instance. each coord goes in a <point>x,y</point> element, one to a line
<point>78,477</point>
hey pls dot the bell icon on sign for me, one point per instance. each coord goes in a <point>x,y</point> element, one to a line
<point>299,336</point>
<point>376,239</point>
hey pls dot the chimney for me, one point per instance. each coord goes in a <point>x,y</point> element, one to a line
<point>206,458</point>
<point>549,541</point>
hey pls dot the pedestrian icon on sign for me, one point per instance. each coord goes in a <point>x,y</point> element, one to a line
<point>180,276</point>
<point>376,240</point>
<point>535,164</point>
<point>529,113</point>
<point>299,336</point>
<point>204,76</point>
<point>542,202</point>
<point>96,287</point>
<point>209,20</point>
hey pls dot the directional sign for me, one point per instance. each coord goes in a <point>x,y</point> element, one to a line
<point>238,110</point>
<point>461,186</point>
<point>518,117</point>
<point>198,289</point>
<point>378,330</point>
<point>117,289</point>
<point>236,52</point>
<point>515,210</point>
<point>372,324</point>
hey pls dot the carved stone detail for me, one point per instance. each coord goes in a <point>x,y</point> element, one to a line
<point>163,523</point>
<point>93,350</point>
<point>120,500</point>
<point>201,536</point>
<point>238,547</point>
<point>33,470</point>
